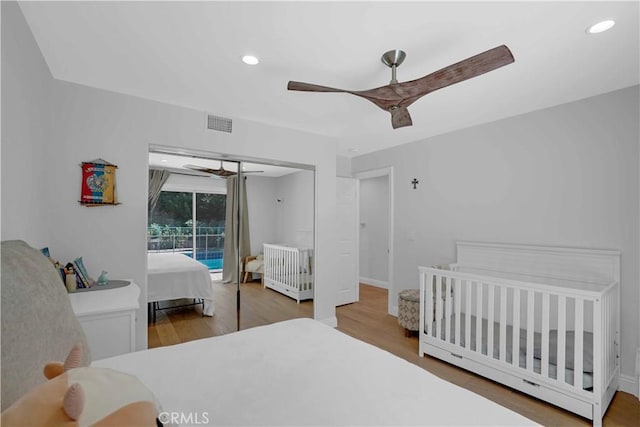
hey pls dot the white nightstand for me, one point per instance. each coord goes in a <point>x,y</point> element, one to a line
<point>108,317</point>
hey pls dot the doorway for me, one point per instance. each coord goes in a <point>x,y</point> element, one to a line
<point>376,231</point>
<point>280,204</point>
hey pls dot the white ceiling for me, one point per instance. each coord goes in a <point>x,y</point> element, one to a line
<point>189,54</point>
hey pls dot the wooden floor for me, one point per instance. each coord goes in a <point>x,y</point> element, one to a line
<point>368,321</point>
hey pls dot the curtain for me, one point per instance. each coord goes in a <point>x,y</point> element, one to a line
<point>157,178</point>
<point>230,265</point>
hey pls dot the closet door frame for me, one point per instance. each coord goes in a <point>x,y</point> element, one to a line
<point>239,160</point>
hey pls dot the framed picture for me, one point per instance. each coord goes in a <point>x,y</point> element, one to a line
<point>98,185</point>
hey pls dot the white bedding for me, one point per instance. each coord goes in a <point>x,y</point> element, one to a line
<point>174,275</point>
<point>302,372</point>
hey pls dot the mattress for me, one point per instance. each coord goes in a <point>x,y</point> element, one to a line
<point>304,373</point>
<point>174,275</point>
<point>587,377</point>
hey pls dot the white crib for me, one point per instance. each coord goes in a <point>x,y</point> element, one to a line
<point>543,320</point>
<point>287,269</point>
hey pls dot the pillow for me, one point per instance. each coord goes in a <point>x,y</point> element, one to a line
<point>38,324</point>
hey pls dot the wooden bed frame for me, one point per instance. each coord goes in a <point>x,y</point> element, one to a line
<point>527,293</point>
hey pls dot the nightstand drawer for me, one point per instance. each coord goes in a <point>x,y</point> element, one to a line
<point>108,318</point>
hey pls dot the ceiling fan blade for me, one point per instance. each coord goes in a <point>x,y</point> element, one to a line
<point>217,172</point>
<point>456,73</point>
<point>225,173</point>
<point>396,97</point>
<point>200,169</point>
<point>384,97</point>
<point>310,87</point>
<point>400,117</point>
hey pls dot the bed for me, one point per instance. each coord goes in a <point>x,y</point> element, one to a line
<point>282,374</point>
<point>299,372</point>
<point>543,320</point>
<point>175,275</point>
<point>287,269</point>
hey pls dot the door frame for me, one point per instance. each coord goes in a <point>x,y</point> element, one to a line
<point>392,306</point>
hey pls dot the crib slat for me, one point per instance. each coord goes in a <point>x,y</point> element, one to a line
<point>428,294</point>
<point>457,301</point>
<point>289,270</point>
<point>605,354</point>
<point>429,316</point>
<point>610,347</point>
<point>515,350</point>
<point>438,286</point>
<point>447,320</point>
<point>610,344</point>
<point>503,323</point>
<point>490,317</point>
<point>280,266</point>
<point>530,320</point>
<point>293,262</point>
<point>562,336</point>
<point>544,352</point>
<point>467,318</point>
<point>598,375</point>
<point>579,343</point>
<point>479,317</point>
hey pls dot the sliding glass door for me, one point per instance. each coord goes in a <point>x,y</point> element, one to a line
<point>209,230</point>
<point>169,226</point>
<point>189,222</point>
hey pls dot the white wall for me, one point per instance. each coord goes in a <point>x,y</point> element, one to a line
<point>94,123</point>
<point>565,176</point>
<point>295,208</point>
<point>374,231</point>
<point>261,201</point>
<point>86,123</point>
<point>343,166</point>
<point>26,105</point>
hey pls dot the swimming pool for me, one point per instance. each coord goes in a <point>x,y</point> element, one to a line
<point>212,259</point>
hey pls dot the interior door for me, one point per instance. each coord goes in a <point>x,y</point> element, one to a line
<point>347,230</point>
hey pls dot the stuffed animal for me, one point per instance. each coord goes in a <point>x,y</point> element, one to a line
<point>83,396</point>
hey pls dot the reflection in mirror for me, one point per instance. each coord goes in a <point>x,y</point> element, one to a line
<point>229,235</point>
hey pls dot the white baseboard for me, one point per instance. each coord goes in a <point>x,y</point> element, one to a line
<point>331,321</point>
<point>394,310</point>
<point>628,384</point>
<point>374,282</point>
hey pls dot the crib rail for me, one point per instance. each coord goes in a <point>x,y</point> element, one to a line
<point>289,270</point>
<point>546,332</point>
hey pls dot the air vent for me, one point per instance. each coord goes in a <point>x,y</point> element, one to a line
<point>218,123</point>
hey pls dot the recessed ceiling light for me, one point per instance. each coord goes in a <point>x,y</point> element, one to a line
<point>250,60</point>
<point>601,26</point>
<point>164,160</point>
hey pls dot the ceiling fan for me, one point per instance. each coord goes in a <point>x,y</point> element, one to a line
<point>396,97</point>
<point>221,172</point>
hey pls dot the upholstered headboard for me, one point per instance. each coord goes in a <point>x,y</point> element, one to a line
<point>38,324</point>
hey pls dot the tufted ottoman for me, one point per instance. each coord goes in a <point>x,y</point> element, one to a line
<point>409,310</point>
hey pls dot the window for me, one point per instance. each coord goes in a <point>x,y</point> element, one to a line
<point>175,222</point>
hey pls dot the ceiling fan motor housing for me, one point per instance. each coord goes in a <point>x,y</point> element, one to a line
<point>393,59</point>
